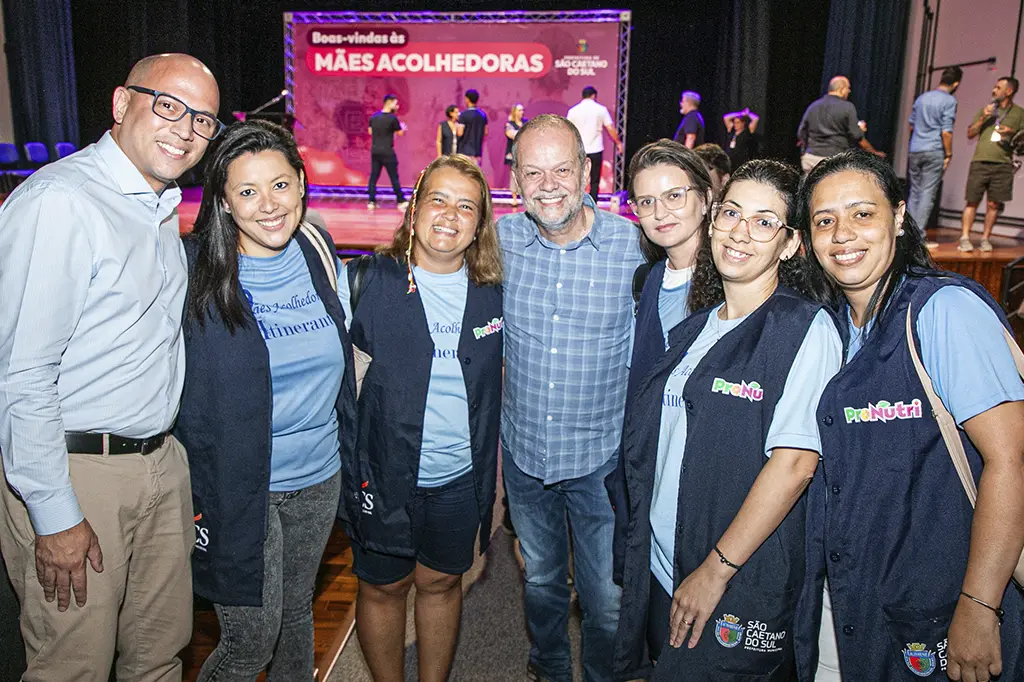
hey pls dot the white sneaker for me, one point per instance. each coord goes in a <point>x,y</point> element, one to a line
<point>965,244</point>
<point>402,206</point>
<point>370,206</point>
<point>931,245</point>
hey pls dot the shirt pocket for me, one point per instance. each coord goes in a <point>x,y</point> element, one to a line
<point>917,639</point>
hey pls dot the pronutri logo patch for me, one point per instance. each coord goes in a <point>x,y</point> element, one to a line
<point>492,327</point>
<point>752,391</point>
<point>883,411</point>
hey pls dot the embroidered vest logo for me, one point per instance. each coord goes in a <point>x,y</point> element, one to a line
<point>883,411</point>
<point>919,659</point>
<point>728,631</point>
<point>492,327</point>
<point>752,391</point>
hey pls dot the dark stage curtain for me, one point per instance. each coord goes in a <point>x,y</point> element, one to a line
<point>865,42</point>
<point>41,68</point>
<point>675,47</point>
<point>743,60</point>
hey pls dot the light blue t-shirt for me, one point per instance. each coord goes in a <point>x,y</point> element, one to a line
<point>794,425</point>
<point>446,453</point>
<point>306,367</point>
<point>933,113</point>
<point>963,350</point>
<point>672,306</point>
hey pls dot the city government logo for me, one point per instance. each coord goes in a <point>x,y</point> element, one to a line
<point>728,631</point>
<point>919,659</point>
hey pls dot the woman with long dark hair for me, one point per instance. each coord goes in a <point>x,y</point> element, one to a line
<point>268,410</point>
<point>429,313</point>
<point>670,193</point>
<point>918,582</point>
<point>715,540</point>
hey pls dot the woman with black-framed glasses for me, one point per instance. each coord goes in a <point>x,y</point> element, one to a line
<point>715,523</point>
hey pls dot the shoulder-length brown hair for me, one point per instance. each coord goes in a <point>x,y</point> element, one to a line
<point>483,257</point>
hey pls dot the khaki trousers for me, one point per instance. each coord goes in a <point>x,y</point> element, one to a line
<point>809,161</point>
<point>140,606</point>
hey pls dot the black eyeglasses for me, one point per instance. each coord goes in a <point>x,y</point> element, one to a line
<point>170,108</point>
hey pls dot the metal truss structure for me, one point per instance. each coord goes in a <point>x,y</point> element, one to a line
<point>621,17</point>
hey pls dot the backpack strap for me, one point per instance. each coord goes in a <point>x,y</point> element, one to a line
<point>639,279</point>
<point>362,265</point>
<point>948,427</point>
<point>324,250</point>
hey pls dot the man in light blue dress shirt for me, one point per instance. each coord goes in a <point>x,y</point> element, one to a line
<point>568,317</point>
<point>93,277</point>
<point>931,145</point>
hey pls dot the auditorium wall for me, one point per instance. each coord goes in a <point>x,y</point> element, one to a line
<point>968,30</point>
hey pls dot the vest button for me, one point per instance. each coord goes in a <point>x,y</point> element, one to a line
<point>827,420</point>
<point>834,556</point>
<point>836,489</point>
<point>847,629</point>
<point>467,361</point>
<point>689,405</point>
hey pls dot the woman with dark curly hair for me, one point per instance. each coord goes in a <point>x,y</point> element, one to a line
<point>918,580</point>
<point>716,522</point>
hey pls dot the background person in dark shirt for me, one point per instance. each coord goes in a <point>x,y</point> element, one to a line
<point>448,132</point>
<point>384,125</point>
<point>830,126</point>
<point>742,146</point>
<point>691,129</point>
<point>475,121</point>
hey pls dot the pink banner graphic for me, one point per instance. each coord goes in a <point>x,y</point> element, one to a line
<point>342,72</point>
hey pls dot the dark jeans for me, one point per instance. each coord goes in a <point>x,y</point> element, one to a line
<point>539,513</point>
<point>924,172</point>
<point>596,159</point>
<point>279,633</point>
<point>389,163</point>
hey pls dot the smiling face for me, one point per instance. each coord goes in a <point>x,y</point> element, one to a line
<point>740,259</point>
<point>854,230</point>
<point>448,210</point>
<point>263,194</point>
<point>666,228</point>
<point>550,177</point>
<point>164,150</point>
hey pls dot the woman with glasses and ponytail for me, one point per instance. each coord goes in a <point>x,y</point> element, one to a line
<point>429,314</point>
<point>910,580</point>
<point>670,193</point>
<point>720,441</point>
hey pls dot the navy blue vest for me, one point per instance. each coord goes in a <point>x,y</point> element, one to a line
<point>391,326</point>
<point>897,523</point>
<point>225,424</point>
<point>648,347</point>
<point>724,455</point>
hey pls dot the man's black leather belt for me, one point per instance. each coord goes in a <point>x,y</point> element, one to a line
<point>109,444</point>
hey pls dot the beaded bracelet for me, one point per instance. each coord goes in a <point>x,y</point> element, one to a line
<point>721,557</point>
<point>994,609</point>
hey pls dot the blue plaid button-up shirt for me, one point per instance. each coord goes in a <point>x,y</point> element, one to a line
<point>568,321</point>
